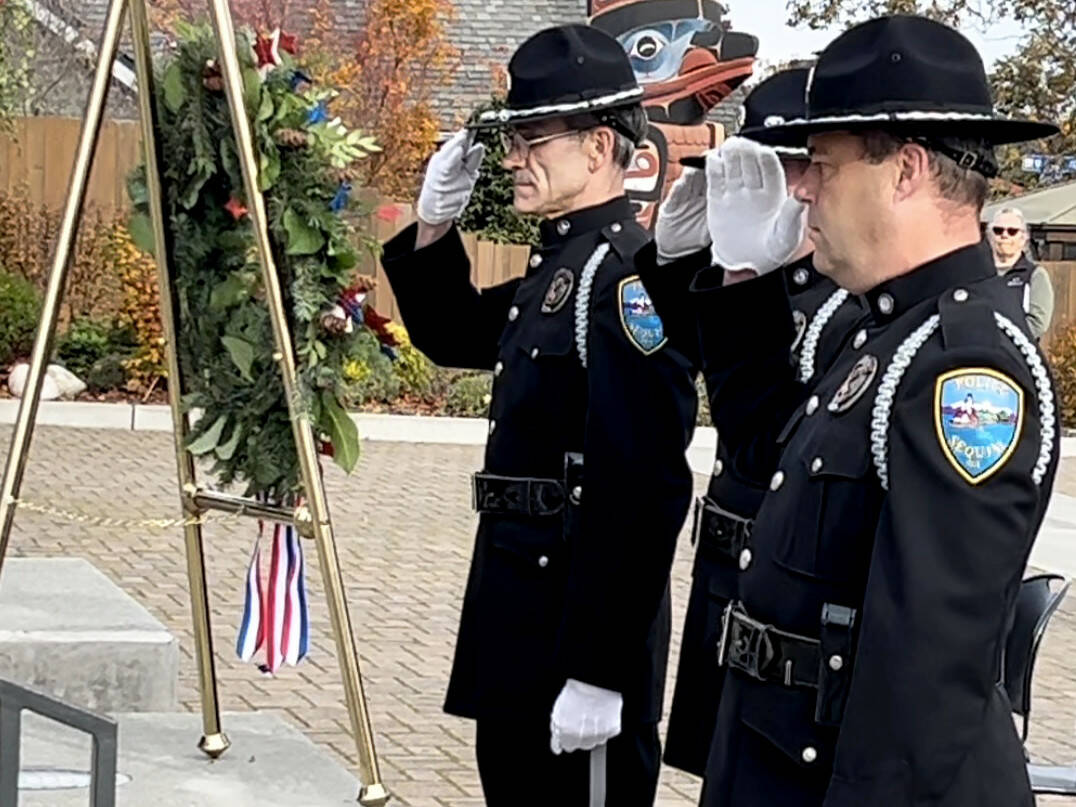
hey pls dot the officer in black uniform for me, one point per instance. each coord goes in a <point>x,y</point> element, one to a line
<point>823,314</point>
<point>911,478</point>
<point>563,639</point>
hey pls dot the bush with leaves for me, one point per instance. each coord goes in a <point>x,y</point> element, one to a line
<point>1062,355</point>
<point>86,341</point>
<point>490,213</point>
<point>20,306</point>
<point>225,341</point>
<point>469,394</point>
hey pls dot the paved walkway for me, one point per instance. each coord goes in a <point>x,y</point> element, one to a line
<point>404,530</point>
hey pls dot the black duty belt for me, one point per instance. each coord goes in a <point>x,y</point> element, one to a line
<point>514,495</point>
<point>779,657</point>
<point>724,532</point>
<point>766,653</point>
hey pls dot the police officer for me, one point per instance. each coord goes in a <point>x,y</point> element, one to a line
<point>563,638</point>
<point>823,314</point>
<point>864,649</point>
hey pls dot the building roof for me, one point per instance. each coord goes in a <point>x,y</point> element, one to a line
<point>1054,205</point>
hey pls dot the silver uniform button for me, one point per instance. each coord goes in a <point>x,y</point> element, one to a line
<point>812,405</point>
<point>778,480</point>
<point>799,277</point>
<point>492,426</point>
<point>809,755</point>
<point>835,663</point>
<point>960,295</point>
<point>885,304</point>
<point>563,227</point>
<point>617,227</point>
<point>719,467</point>
<point>498,368</point>
<point>577,494</point>
<point>816,465</point>
<point>745,560</point>
<point>543,561</point>
<point>513,313</point>
<point>860,340</point>
<point>536,261</point>
<point>534,353</point>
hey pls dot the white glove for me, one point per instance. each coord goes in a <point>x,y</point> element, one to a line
<point>681,227</point>
<point>584,717</point>
<point>754,223</point>
<point>450,179</point>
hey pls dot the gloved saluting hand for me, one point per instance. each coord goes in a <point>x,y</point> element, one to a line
<point>584,717</point>
<point>754,222</point>
<point>681,226</point>
<point>450,179</point>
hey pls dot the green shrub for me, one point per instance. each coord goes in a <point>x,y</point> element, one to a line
<point>468,395</point>
<point>86,341</point>
<point>368,374</point>
<point>20,306</point>
<point>106,374</point>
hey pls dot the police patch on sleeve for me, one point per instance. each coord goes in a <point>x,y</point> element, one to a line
<point>639,317</point>
<point>978,415</point>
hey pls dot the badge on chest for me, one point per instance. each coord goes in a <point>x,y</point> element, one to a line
<point>978,416</point>
<point>854,385</point>
<point>558,292</point>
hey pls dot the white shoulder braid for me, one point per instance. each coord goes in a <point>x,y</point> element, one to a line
<point>582,299</point>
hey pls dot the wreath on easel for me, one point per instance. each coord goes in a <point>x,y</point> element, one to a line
<point>224,336</point>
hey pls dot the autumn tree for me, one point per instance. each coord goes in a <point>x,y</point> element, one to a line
<point>388,81</point>
<point>1038,80</point>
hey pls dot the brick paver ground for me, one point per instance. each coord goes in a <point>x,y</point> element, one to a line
<point>404,530</point>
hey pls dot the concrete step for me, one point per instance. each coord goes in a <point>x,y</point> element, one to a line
<point>68,630</point>
<point>270,764</point>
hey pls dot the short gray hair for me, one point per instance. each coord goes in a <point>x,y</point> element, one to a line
<point>1013,211</point>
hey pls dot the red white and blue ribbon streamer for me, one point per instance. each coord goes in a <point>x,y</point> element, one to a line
<point>276,615</point>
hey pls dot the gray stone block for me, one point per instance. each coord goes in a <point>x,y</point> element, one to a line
<point>68,630</point>
<point>270,764</point>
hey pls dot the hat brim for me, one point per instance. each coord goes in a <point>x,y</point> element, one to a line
<point>509,116</point>
<point>994,130</point>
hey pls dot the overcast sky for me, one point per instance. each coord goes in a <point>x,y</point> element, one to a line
<point>777,42</point>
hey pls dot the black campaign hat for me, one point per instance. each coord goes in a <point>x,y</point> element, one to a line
<point>782,97</point>
<point>906,74</point>
<point>561,71</point>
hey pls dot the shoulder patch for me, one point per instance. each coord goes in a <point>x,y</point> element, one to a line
<point>978,417</point>
<point>638,316</point>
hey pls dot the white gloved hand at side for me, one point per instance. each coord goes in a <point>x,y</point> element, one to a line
<point>450,179</point>
<point>754,223</point>
<point>584,717</point>
<point>681,227</point>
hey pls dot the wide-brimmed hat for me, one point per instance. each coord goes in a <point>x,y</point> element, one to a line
<point>909,75</point>
<point>562,71</point>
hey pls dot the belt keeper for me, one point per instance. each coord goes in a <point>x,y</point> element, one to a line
<point>835,663</point>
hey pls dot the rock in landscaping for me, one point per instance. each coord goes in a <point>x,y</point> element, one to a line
<point>67,382</point>
<point>16,382</point>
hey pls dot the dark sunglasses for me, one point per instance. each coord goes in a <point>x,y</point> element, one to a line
<point>1009,231</point>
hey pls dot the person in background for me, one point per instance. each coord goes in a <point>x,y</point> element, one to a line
<point>1009,239</point>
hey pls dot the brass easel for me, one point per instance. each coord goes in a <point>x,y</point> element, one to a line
<point>311,520</point>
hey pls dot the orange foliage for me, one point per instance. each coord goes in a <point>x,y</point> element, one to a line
<point>140,308</point>
<point>387,83</point>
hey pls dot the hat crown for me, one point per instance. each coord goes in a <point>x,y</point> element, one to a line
<point>899,63</point>
<point>567,63</point>
<point>782,95</point>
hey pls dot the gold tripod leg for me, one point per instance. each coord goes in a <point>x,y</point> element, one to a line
<point>214,742</point>
<point>61,262</point>
<point>373,791</point>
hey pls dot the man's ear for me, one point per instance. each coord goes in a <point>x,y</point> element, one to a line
<point>599,147</point>
<point>913,164</point>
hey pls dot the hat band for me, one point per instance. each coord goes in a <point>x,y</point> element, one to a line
<point>789,151</point>
<point>601,102</point>
<point>883,117</point>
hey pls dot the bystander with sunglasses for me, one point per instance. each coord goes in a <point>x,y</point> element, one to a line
<point>1009,239</point>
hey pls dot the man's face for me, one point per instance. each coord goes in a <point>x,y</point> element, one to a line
<point>1007,237</point>
<point>849,207</point>
<point>548,174</point>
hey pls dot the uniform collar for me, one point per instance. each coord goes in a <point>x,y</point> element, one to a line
<point>563,228</point>
<point>967,265</point>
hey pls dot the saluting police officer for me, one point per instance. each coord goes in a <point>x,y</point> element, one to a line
<point>563,639</point>
<point>822,312</point>
<point>864,650</point>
